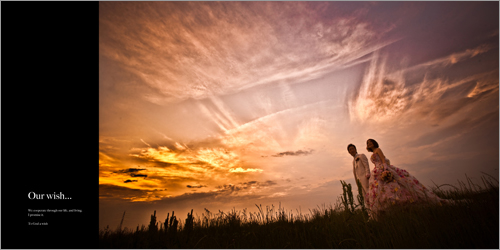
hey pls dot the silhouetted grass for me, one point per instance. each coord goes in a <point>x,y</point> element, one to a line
<point>472,222</point>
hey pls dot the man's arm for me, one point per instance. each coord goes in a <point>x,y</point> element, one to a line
<point>364,161</point>
<point>354,170</point>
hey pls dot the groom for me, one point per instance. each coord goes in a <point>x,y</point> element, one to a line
<point>361,169</point>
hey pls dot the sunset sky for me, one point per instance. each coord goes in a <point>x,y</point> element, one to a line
<point>224,105</point>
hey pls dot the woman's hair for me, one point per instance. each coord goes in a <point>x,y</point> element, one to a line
<point>375,145</point>
<point>351,145</point>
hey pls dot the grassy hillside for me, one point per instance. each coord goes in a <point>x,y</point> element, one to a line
<point>472,222</point>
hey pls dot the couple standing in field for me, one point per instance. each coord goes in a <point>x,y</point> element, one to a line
<point>386,185</point>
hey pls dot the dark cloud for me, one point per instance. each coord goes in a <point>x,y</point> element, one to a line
<point>257,184</point>
<point>230,188</point>
<point>291,153</point>
<point>196,186</point>
<point>127,181</point>
<point>269,183</point>
<point>130,170</point>
<point>250,183</point>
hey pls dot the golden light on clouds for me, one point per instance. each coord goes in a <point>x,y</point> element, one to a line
<point>218,157</point>
<point>162,154</point>
<point>166,172</point>
<point>241,170</point>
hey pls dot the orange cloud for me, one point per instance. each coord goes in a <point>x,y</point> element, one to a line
<point>241,170</point>
<point>170,171</point>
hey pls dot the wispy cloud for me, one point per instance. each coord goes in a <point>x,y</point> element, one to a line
<point>384,95</point>
<point>455,57</point>
<point>209,50</point>
<point>293,153</point>
<point>145,143</point>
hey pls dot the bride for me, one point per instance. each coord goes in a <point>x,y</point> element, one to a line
<point>389,185</point>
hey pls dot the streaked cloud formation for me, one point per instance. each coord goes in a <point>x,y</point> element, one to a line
<point>224,105</point>
<point>196,50</point>
<point>299,152</point>
<point>384,95</point>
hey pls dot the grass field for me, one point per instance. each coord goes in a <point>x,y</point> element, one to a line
<point>470,223</point>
